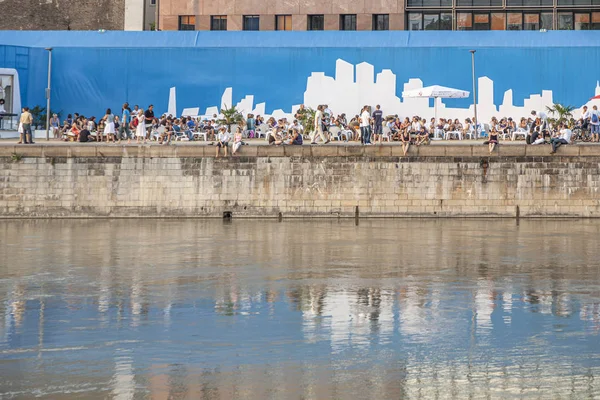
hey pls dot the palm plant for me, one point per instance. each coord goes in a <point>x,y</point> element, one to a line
<point>564,113</point>
<point>231,116</point>
<point>306,117</point>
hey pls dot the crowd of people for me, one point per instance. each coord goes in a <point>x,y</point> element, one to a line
<point>322,126</point>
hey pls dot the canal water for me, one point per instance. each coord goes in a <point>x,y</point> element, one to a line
<point>307,309</point>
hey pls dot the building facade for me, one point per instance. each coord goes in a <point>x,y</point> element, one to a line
<point>299,15</point>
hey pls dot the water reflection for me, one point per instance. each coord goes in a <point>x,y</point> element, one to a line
<point>300,309</point>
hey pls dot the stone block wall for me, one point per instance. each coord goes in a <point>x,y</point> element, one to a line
<point>188,181</point>
<point>62,15</point>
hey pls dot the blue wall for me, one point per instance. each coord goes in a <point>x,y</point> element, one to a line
<point>93,71</point>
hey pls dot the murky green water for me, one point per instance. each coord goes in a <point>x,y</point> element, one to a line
<point>401,309</point>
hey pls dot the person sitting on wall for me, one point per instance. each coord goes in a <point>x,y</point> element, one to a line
<point>237,141</point>
<point>73,133</point>
<point>295,138</point>
<point>493,140</point>
<point>84,136</point>
<point>275,136</point>
<point>564,138</point>
<point>223,140</point>
<point>422,136</point>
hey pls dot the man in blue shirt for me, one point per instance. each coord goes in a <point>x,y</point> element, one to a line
<point>124,131</point>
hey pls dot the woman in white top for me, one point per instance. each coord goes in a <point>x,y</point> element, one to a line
<point>140,130</point>
<point>109,125</point>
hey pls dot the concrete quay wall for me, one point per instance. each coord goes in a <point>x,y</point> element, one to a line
<point>298,181</point>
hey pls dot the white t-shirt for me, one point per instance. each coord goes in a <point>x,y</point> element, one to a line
<point>364,119</point>
<point>318,118</point>
<point>585,114</point>
<point>416,126</point>
<point>566,134</point>
<point>224,136</point>
<point>542,115</point>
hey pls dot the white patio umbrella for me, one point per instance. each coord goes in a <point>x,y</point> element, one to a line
<point>436,91</point>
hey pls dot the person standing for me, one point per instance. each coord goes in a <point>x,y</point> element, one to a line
<point>318,127</point>
<point>140,130</point>
<point>149,114</point>
<point>595,123</point>
<point>26,120</point>
<point>365,126</point>
<point>109,125</point>
<point>124,132</point>
<point>378,122</point>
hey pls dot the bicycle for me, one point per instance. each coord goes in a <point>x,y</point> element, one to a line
<point>581,135</point>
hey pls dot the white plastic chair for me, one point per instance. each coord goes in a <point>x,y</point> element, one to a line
<point>457,134</point>
<point>334,132</point>
<point>519,132</point>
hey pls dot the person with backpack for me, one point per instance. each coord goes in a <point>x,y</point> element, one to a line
<point>595,123</point>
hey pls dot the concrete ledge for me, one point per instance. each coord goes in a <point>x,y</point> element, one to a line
<point>375,151</point>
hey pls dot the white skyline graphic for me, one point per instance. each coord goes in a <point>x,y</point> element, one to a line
<point>356,86</point>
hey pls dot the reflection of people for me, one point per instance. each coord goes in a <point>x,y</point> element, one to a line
<point>2,111</point>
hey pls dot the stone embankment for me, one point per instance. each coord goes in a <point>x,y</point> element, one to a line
<point>298,181</point>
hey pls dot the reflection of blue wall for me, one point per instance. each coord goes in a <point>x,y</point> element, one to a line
<point>92,71</point>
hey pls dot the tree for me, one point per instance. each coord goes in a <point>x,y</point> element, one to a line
<point>561,114</point>
<point>231,116</point>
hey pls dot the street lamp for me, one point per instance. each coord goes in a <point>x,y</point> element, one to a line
<point>474,90</point>
<point>49,49</point>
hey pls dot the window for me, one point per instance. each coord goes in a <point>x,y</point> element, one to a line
<point>415,21</point>
<point>429,3</point>
<point>315,22</point>
<point>218,23</point>
<point>514,21</point>
<point>152,2</point>
<point>481,22</point>
<point>498,21</point>
<point>381,22</point>
<point>348,22</point>
<point>531,22</point>
<point>464,22</point>
<point>431,22</point>
<point>582,21</point>
<point>595,20</point>
<point>445,22</point>
<point>479,3</point>
<point>283,22</point>
<point>565,21</point>
<point>547,21</point>
<point>251,22</point>
<point>187,23</point>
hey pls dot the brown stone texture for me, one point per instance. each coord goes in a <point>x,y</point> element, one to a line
<point>283,7</point>
<point>299,22</point>
<point>234,23</point>
<point>332,22</point>
<point>364,22</point>
<point>267,23</point>
<point>348,7</point>
<point>62,15</point>
<point>203,23</point>
<point>397,21</point>
<point>307,181</point>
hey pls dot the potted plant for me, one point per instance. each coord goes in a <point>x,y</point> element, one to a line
<point>564,113</point>
<point>231,116</point>
<point>306,117</point>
